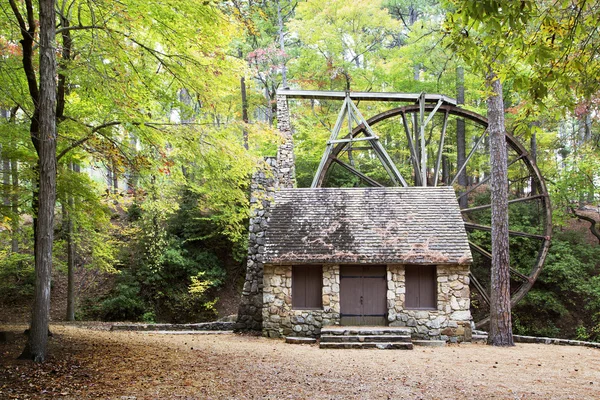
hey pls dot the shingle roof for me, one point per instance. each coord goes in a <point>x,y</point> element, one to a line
<point>420,225</point>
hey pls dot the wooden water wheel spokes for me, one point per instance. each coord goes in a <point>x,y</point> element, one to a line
<point>417,145</point>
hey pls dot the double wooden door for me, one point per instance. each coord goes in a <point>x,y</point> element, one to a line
<point>363,295</point>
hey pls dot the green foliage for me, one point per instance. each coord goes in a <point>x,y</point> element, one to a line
<point>565,301</point>
<point>17,276</point>
<point>172,263</point>
<point>123,305</point>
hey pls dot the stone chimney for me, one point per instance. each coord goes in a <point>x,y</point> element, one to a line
<point>276,172</point>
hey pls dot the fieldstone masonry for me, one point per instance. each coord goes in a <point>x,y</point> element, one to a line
<point>279,319</point>
<point>277,172</point>
<point>452,319</point>
<point>262,190</point>
<point>286,163</point>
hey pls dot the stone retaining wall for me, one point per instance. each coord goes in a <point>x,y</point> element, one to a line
<point>202,326</point>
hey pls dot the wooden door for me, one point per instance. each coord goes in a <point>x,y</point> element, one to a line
<point>363,295</point>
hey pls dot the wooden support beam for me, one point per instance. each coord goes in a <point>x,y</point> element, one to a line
<point>489,256</point>
<point>486,228</point>
<point>364,96</point>
<point>480,288</point>
<point>329,148</point>
<point>356,172</point>
<point>469,156</point>
<point>413,151</point>
<point>483,207</point>
<point>384,157</point>
<point>485,180</point>
<point>440,150</point>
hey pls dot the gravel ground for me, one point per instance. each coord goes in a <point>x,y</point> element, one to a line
<point>85,364</point>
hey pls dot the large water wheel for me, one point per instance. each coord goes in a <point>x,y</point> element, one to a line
<point>433,142</point>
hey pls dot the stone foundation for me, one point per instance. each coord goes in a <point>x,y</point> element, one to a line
<point>450,321</point>
<point>280,319</point>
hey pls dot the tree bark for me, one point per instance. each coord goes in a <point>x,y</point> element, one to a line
<point>15,223</point>
<point>6,178</point>
<point>533,144</point>
<point>461,153</point>
<point>244,106</point>
<point>500,310</point>
<point>68,215</point>
<point>44,140</point>
<point>244,111</point>
<point>281,45</point>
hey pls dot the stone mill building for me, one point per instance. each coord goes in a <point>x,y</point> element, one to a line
<point>381,256</point>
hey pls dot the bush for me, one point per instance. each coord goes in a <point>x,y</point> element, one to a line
<point>17,276</point>
<point>124,304</point>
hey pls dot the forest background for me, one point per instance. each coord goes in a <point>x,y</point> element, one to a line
<point>166,108</point>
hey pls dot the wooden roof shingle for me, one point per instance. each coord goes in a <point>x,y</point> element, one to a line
<point>412,225</point>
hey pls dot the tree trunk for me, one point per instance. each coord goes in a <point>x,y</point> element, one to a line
<point>281,45</point>
<point>244,110</point>
<point>268,111</point>
<point>461,153</point>
<point>44,140</point>
<point>5,179</point>
<point>445,170</point>
<point>533,144</point>
<point>68,215</point>
<point>15,223</point>
<point>244,106</point>
<point>500,311</point>
<point>115,179</point>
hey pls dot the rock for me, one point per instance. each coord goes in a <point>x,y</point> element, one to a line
<point>461,315</point>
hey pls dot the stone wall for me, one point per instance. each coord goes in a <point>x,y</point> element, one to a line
<point>452,319</point>
<point>278,172</point>
<point>280,319</point>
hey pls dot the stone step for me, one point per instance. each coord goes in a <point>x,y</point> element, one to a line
<point>367,345</point>
<point>479,338</point>
<point>365,330</point>
<point>300,340</point>
<point>429,343</point>
<point>364,338</point>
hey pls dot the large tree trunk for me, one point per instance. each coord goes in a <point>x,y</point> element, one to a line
<point>44,140</point>
<point>500,312</point>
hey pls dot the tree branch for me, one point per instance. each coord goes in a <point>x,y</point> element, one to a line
<point>78,28</point>
<point>592,222</point>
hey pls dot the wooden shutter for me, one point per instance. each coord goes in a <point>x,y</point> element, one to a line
<point>307,287</point>
<point>421,287</point>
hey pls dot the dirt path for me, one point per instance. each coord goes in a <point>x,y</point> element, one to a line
<point>87,364</point>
